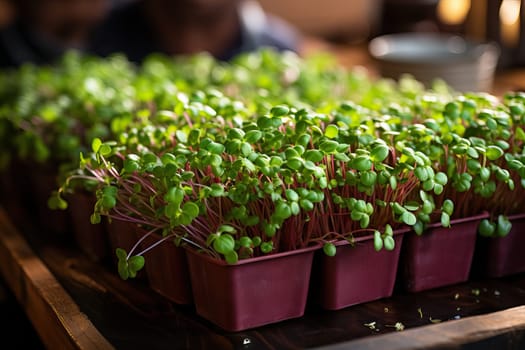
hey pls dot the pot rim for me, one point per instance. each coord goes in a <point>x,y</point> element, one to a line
<point>481,216</point>
<point>215,261</point>
<point>369,237</point>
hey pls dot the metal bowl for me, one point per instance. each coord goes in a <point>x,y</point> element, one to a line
<point>464,64</point>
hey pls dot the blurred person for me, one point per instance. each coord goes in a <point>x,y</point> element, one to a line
<point>43,29</point>
<point>223,28</point>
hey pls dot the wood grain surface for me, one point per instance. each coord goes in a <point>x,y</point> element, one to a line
<point>56,317</point>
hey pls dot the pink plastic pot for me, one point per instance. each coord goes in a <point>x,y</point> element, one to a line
<point>91,239</point>
<point>357,274</point>
<point>441,256</point>
<point>253,292</point>
<point>123,234</point>
<point>43,183</point>
<point>167,270</point>
<point>502,256</point>
<point>16,195</point>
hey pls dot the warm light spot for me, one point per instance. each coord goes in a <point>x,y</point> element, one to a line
<point>453,11</point>
<point>509,15</point>
<point>509,11</point>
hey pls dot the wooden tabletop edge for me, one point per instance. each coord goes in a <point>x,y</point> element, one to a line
<point>450,334</point>
<point>54,314</point>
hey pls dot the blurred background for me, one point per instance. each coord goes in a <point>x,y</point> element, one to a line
<point>357,21</point>
<point>335,21</point>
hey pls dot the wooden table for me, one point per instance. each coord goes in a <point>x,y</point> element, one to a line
<point>76,303</point>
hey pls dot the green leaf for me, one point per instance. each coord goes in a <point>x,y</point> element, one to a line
<point>328,146</point>
<point>104,149</point>
<point>393,182</point>
<point>502,174</point>
<point>388,230</point>
<point>174,195</point>
<point>494,152</point>
<point>342,157</point>
<point>313,155</point>
<point>292,195</point>
<point>362,163</point>
<point>264,122</point>
<point>108,201</point>
<point>364,221</point>
<point>303,140</point>
<point>514,164</point>
<point>279,111</point>
<point>217,190</point>
<point>184,219</point>
<point>212,237</point>
<point>56,202</point>
<point>269,229</point>
<point>389,243</point>
<point>445,219</point>
<point>122,268</point>
<point>294,163</point>
<point>131,166</point>
<point>224,244</point>
<point>504,226</point>
<point>421,173</point>
<point>266,247</point>
<point>398,209</point>
<point>94,218</point>
<point>378,241</point>
<point>308,165</point>
<point>121,254</point>
<point>486,228</point>
<point>95,144</point>
<point>246,149</point>
<point>419,227</point>
<point>408,218</point>
<point>411,205</point>
<point>215,148</point>
<point>283,210</point>
<point>452,110</point>
<point>368,178</point>
<point>256,241</point>
<point>472,153</point>
<point>181,136</point>
<point>516,109</point>
<point>448,206</point>
<point>379,153</point>
<point>253,136</point>
<point>231,257</point>
<point>438,189</point>
<point>492,124</point>
<point>331,131</point>
<point>306,204</point>
<point>484,174</point>
<point>226,228</point>
<point>473,165</point>
<point>329,249</point>
<point>502,144</point>
<point>428,207</point>
<point>191,209</point>
<point>441,178</point>
<point>135,264</point>
<point>520,134</point>
<point>428,185</point>
<point>245,241</point>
